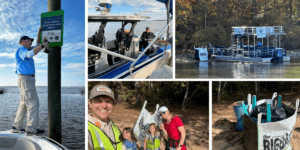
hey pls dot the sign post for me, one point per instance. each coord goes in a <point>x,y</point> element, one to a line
<point>52,23</point>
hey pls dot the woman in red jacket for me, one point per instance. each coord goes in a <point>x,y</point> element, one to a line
<point>174,128</point>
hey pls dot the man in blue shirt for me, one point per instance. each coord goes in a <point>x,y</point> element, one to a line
<point>26,81</point>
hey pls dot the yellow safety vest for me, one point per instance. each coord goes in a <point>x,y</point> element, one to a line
<point>101,141</point>
<point>154,143</point>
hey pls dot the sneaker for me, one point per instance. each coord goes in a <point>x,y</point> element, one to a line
<point>37,131</point>
<point>14,130</point>
<point>22,131</point>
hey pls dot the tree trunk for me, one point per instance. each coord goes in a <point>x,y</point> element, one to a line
<point>185,96</point>
<point>137,93</point>
<point>256,88</point>
<point>219,95</point>
<point>292,86</point>
<point>205,13</point>
<point>291,8</point>
<point>254,15</point>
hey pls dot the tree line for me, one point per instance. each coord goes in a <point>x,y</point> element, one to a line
<point>222,91</point>
<point>201,21</point>
<point>185,94</point>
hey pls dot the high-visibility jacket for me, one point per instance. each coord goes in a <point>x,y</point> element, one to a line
<point>101,141</point>
<point>153,143</point>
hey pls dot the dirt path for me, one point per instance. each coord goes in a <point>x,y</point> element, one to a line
<point>224,120</point>
<point>196,124</point>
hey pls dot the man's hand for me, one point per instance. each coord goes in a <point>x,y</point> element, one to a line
<point>46,44</point>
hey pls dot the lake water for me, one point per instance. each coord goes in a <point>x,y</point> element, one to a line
<point>112,27</point>
<point>190,68</point>
<point>72,109</point>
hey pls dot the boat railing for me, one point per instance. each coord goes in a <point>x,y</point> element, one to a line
<point>149,45</point>
<point>251,30</point>
<point>53,141</point>
<point>109,52</point>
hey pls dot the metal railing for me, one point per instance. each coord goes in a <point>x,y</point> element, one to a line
<point>251,30</point>
<point>109,52</point>
<point>149,45</point>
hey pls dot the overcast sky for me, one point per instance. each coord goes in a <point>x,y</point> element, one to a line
<point>18,18</point>
<point>152,8</point>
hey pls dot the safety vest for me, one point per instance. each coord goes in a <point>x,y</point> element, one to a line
<point>101,141</point>
<point>153,143</point>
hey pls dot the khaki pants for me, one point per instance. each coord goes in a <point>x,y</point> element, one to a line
<point>29,103</point>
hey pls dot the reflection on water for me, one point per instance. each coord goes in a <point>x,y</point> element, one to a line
<point>73,107</point>
<point>213,69</point>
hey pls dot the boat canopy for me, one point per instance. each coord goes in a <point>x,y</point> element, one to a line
<point>115,18</point>
<point>171,4</point>
<point>256,30</point>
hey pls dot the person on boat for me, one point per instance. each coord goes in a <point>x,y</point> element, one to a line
<point>153,139</point>
<point>259,43</point>
<point>174,128</point>
<point>146,36</point>
<point>103,133</point>
<point>129,140</point>
<point>26,82</point>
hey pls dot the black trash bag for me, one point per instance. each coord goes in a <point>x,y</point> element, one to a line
<point>277,113</point>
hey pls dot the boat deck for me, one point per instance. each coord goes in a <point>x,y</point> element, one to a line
<point>10,140</point>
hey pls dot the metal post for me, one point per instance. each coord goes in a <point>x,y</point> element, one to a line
<point>243,47</point>
<point>276,40</point>
<point>248,47</point>
<point>254,45</point>
<point>279,42</point>
<point>237,45</point>
<point>268,43</point>
<point>54,84</point>
<point>168,19</point>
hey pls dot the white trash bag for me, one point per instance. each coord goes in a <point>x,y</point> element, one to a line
<point>142,124</point>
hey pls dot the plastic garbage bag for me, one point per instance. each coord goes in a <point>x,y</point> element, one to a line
<point>277,113</point>
<point>144,120</point>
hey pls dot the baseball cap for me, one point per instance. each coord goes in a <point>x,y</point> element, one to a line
<point>147,28</point>
<point>101,90</point>
<point>163,109</point>
<point>26,38</point>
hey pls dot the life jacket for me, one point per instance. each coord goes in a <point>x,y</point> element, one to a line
<point>129,145</point>
<point>101,141</point>
<point>153,143</point>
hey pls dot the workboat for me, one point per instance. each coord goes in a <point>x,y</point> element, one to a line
<point>123,57</point>
<point>19,141</point>
<point>257,51</point>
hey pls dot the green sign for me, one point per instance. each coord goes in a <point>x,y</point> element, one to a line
<point>53,27</point>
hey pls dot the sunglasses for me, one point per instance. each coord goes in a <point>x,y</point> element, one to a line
<point>162,113</point>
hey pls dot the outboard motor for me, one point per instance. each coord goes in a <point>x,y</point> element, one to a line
<point>277,57</point>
